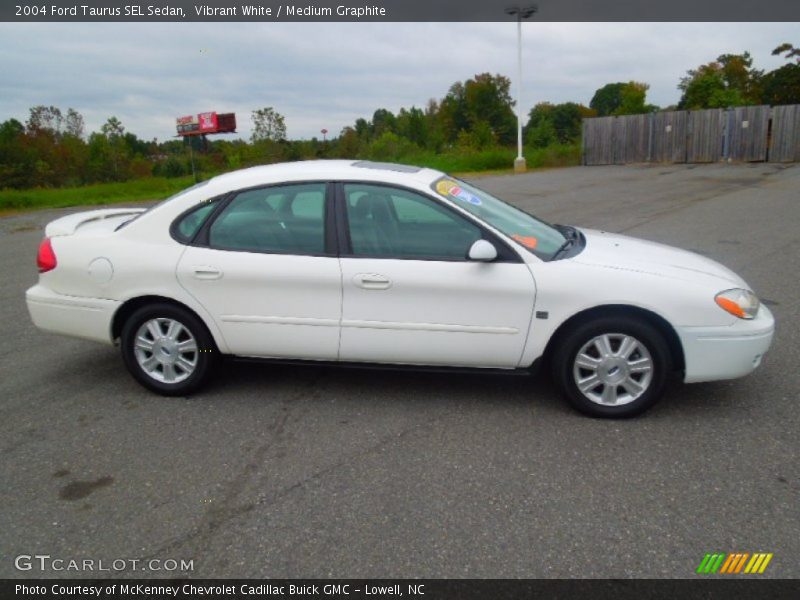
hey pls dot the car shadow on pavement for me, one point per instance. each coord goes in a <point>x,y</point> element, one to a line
<point>253,379</point>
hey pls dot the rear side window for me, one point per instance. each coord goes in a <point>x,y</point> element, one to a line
<point>189,224</point>
<point>287,219</point>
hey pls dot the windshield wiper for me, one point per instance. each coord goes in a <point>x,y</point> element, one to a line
<point>572,236</point>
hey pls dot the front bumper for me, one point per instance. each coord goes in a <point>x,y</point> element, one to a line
<point>713,353</point>
<point>88,318</point>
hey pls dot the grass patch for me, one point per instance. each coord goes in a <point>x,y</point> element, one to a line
<point>559,155</point>
<point>497,160</point>
<point>485,160</point>
<point>150,188</point>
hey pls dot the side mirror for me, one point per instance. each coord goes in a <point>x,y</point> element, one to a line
<point>482,251</point>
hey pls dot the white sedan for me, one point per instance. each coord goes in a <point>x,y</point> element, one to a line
<point>360,262</point>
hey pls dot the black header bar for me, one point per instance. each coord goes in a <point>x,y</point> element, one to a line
<point>397,10</point>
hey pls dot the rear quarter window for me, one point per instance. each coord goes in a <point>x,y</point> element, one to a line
<point>187,226</point>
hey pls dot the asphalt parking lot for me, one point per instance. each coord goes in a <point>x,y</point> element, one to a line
<point>317,472</point>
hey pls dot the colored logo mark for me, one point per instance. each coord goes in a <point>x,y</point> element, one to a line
<point>734,563</point>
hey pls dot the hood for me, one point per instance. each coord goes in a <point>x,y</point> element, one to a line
<point>614,251</point>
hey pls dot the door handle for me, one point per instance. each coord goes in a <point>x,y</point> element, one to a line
<point>372,281</point>
<point>206,272</point>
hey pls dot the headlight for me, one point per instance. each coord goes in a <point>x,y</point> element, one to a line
<point>740,303</point>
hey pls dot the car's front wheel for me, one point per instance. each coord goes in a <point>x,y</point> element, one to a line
<point>612,367</point>
<point>167,349</point>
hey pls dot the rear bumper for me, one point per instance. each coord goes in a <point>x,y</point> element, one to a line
<point>714,353</point>
<point>88,318</point>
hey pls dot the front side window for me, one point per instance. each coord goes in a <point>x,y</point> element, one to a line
<point>539,237</point>
<point>391,222</point>
<point>288,219</point>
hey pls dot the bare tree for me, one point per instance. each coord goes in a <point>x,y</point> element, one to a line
<point>45,118</point>
<point>73,124</point>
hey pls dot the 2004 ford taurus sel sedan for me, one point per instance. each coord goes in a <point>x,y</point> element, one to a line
<point>361,262</point>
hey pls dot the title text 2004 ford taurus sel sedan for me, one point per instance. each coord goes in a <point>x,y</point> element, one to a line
<point>360,262</point>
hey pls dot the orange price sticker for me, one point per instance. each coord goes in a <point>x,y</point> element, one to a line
<point>527,241</point>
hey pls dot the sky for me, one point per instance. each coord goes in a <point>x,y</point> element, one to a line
<point>326,75</point>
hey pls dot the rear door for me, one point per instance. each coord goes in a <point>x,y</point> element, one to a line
<point>266,269</point>
<point>410,295</point>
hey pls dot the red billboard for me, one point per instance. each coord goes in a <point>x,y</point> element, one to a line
<point>206,122</point>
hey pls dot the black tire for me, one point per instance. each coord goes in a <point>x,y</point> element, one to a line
<point>184,381</point>
<point>590,337</point>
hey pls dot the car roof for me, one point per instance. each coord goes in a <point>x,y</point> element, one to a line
<point>327,170</point>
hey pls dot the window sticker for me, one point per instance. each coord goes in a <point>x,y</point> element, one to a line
<point>467,197</point>
<point>464,195</point>
<point>444,186</point>
<point>450,188</point>
<point>527,241</point>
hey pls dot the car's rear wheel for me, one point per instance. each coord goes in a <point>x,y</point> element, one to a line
<point>167,349</point>
<point>612,367</point>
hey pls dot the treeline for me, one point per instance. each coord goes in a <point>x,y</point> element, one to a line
<point>473,127</point>
<point>51,150</point>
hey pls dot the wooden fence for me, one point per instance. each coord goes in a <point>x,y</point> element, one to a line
<point>785,141</point>
<point>743,134</point>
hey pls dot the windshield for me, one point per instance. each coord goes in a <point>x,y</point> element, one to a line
<point>539,237</point>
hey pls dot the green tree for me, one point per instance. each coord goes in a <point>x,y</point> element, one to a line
<point>411,124</point>
<point>390,147</point>
<point>382,121</point>
<point>555,123</point>
<point>731,80</point>
<point>739,74</point>
<point>452,114</point>
<point>268,125</point>
<point>362,128</point>
<point>632,99</point>
<point>348,145</point>
<point>705,87</point>
<point>110,151</point>
<point>788,49</point>
<point>486,98</point>
<point>607,99</point>
<point>782,86</point>
<point>435,137</point>
<point>540,132</point>
<point>113,128</point>
<point>16,163</point>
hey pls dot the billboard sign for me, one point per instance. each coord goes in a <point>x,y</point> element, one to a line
<point>206,122</point>
<point>188,124</point>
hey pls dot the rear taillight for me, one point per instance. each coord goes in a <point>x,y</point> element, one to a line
<point>46,259</point>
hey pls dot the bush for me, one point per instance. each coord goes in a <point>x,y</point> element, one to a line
<point>391,147</point>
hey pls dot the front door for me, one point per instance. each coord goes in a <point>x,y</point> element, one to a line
<point>411,296</point>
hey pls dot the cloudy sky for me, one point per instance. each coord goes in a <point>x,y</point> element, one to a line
<point>325,75</point>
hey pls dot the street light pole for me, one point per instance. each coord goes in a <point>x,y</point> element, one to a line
<point>521,13</point>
